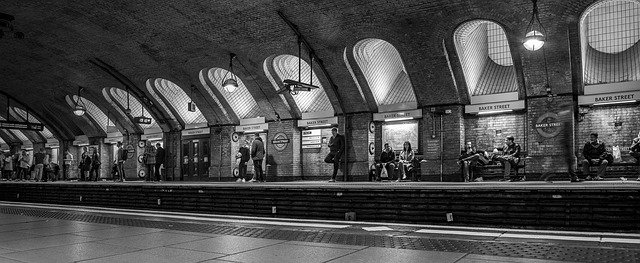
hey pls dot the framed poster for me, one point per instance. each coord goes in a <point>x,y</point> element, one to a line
<point>397,134</point>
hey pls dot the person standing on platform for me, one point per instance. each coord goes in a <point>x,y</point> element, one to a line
<point>8,166</point>
<point>387,162</point>
<point>23,161</point>
<point>38,159</point>
<point>160,156</point>
<point>85,164</point>
<point>257,154</point>
<point>594,153</point>
<point>510,157</point>
<point>150,160</point>
<point>122,158</point>
<point>634,151</point>
<point>242,157</point>
<point>66,166</point>
<point>336,148</point>
<point>406,160</point>
<point>94,173</point>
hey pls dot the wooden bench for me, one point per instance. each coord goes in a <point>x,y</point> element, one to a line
<point>614,170</point>
<point>495,169</point>
<point>415,173</point>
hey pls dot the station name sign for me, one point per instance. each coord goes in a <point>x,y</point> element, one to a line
<point>200,131</point>
<point>21,125</point>
<point>252,127</point>
<point>411,114</point>
<point>318,122</point>
<point>489,107</point>
<point>609,98</point>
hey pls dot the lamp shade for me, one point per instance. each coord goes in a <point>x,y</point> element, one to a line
<point>79,110</point>
<point>533,40</point>
<point>230,85</point>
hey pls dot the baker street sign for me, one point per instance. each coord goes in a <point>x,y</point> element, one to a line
<point>548,125</point>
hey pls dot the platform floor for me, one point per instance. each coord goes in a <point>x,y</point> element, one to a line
<point>562,184</point>
<point>52,233</point>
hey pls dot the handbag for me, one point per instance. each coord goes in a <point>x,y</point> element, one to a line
<point>616,154</point>
<point>384,173</point>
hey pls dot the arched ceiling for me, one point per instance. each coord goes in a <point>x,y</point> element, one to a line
<point>97,44</point>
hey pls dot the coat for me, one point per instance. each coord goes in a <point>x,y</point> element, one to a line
<point>160,155</point>
<point>257,149</point>
<point>150,155</point>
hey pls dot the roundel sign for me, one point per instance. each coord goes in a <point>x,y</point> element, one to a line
<point>548,125</point>
<point>131,151</point>
<point>235,137</point>
<point>280,141</point>
<point>142,173</point>
<point>372,148</point>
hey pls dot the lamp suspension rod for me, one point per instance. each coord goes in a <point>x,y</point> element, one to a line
<point>8,106</point>
<point>312,52</point>
<point>299,59</point>
<point>128,98</point>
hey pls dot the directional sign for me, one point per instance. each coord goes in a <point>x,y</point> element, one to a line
<point>142,120</point>
<point>21,125</point>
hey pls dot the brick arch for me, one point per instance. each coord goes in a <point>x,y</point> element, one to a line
<point>94,117</point>
<point>21,115</point>
<point>379,72</point>
<point>161,89</point>
<point>281,67</point>
<point>117,99</point>
<point>604,63</point>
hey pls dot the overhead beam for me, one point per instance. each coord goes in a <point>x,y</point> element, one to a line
<point>57,131</point>
<point>160,116</point>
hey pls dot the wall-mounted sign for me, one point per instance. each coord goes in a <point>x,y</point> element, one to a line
<point>21,125</point>
<point>112,140</point>
<point>311,139</point>
<point>280,141</point>
<point>398,115</point>
<point>152,137</point>
<point>52,145</point>
<point>252,128</point>
<point>547,125</point>
<point>609,98</point>
<point>323,122</point>
<point>312,146</point>
<point>28,145</point>
<point>131,151</point>
<point>200,131</point>
<point>494,107</point>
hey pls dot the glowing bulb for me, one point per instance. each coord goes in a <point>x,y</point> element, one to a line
<point>533,41</point>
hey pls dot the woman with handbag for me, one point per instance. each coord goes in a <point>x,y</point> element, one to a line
<point>406,160</point>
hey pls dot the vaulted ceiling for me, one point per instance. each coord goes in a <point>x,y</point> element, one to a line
<point>123,44</point>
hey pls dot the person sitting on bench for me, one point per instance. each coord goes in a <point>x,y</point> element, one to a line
<point>634,151</point>
<point>510,157</point>
<point>470,158</point>
<point>594,153</point>
<point>387,161</point>
<point>406,160</point>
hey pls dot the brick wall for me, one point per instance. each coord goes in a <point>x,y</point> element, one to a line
<point>221,167</point>
<point>283,164</point>
<point>358,138</point>
<point>172,148</point>
<point>602,119</point>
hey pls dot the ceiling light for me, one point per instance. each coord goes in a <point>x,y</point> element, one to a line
<point>534,39</point>
<point>230,84</point>
<point>79,108</point>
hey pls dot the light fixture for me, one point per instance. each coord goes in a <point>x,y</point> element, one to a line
<point>398,119</point>
<point>191,107</point>
<point>79,108</point>
<point>292,86</point>
<point>493,112</point>
<point>230,84</point>
<point>534,39</point>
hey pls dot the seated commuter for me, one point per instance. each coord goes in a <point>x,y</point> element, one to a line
<point>387,161</point>
<point>469,159</point>
<point>406,160</point>
<point>595,153</point>
<point>510,157</point>
<point>634,151</point>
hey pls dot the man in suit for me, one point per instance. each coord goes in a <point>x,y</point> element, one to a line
<point>336,148</point>
<point>257,154</point>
